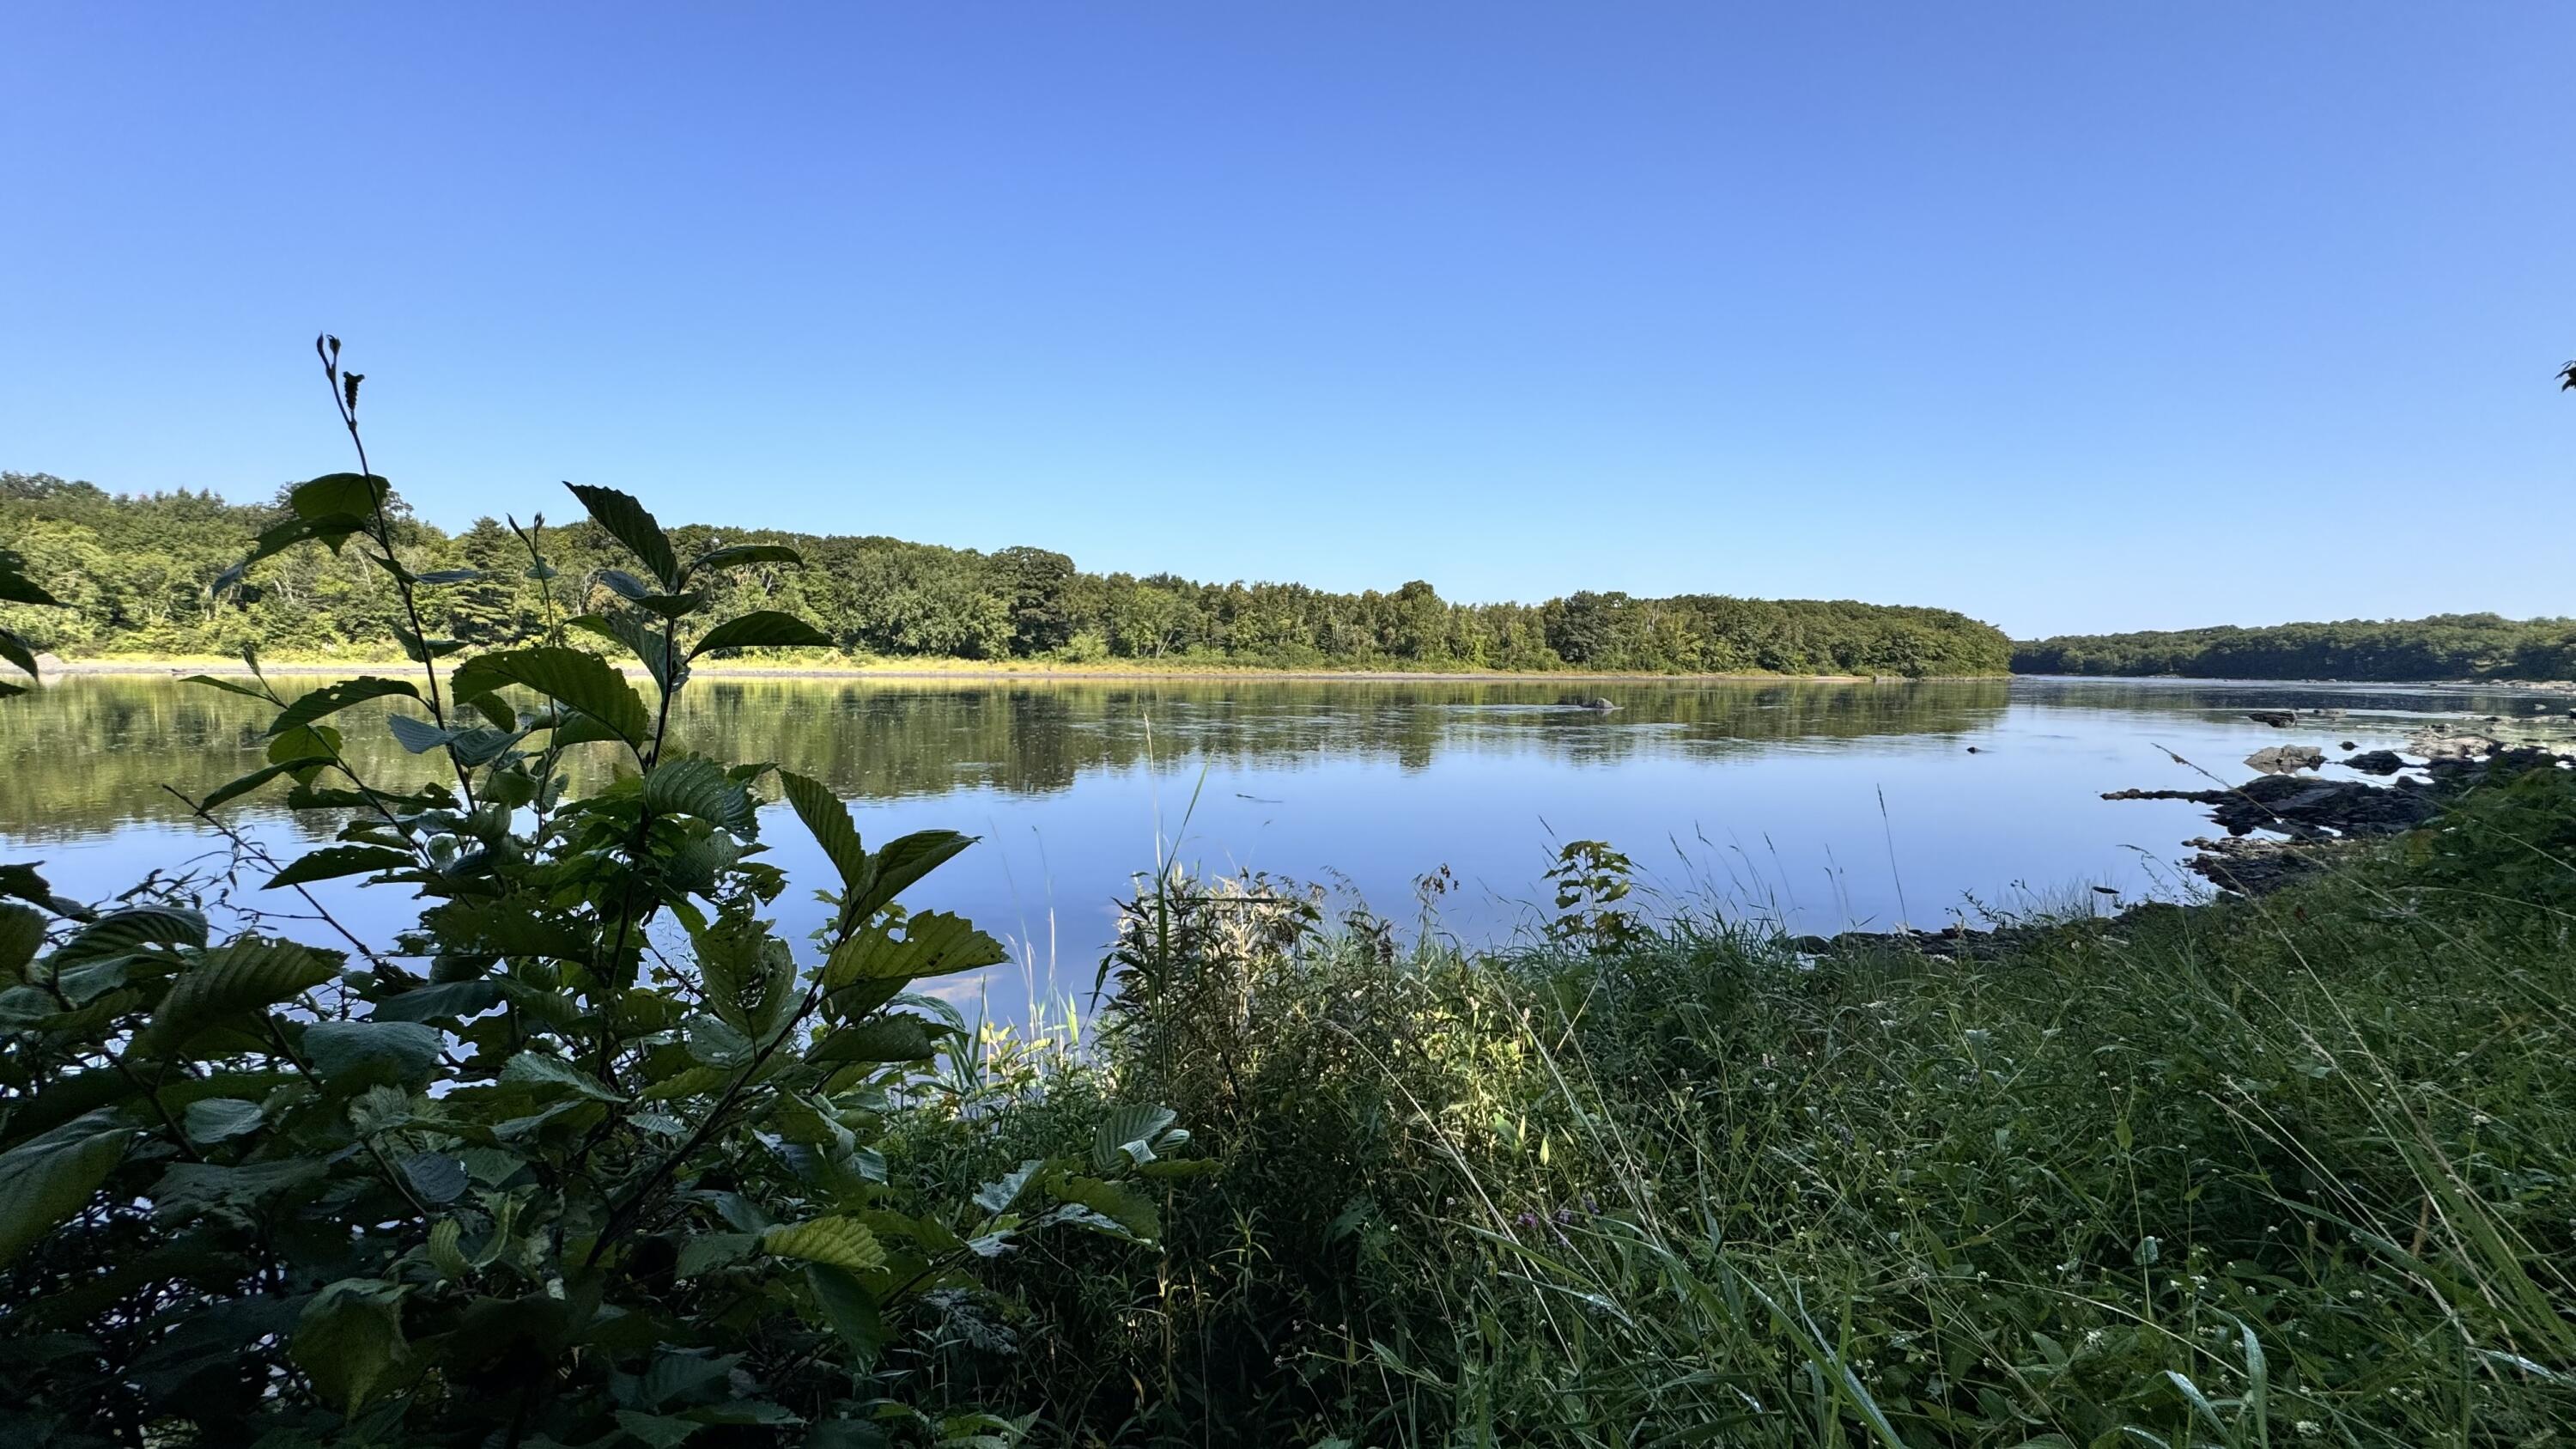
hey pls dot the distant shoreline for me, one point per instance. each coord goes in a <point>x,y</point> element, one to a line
<point>980,672</point>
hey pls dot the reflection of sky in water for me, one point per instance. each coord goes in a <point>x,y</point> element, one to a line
<point>1720,807</point>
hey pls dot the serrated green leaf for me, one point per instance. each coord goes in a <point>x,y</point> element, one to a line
<point>275,539</point>
<point>435,1177</point>
<point>417,735</point>
<point>380,1108</point>
<point>582,682</point>
<point>847,1306</point>
<point>899,863</point>
<point>218,1119</point>
<point>828,820</point>
<point>424,651</point>
<point>1125,1138</point>
<point>710,1251</point>
<point>878,1039</point>
<point>332,698</point>
<point>136,928</point>
<point>350,1341</point>
<point>190,1190</point>
<point>628,523</point>
<point>762,629</point>
<point>696,786</point>
<point>538,1069</point>
<point>1003,1193</point>
<point>739,554</point>
<point>1122,1205</point>
<point>650,649</point>
<point>233,790</point>
<point>445,1250</point>
<point>229,686</point>
<point>683,1375</point>
<point>304,742</point>
<point>338,504</point>
<point>45,1180</point>
<point>716,1042</point>
<point>933,943</point>
<point>236,977</point>
<point>22,935</point>
<point>835,1242</point>
<point>355,1053</point>
<point>694,1082</point>
<point>334,861</point>
<point>457,1000</point>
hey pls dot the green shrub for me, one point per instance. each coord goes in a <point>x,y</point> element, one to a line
<point>584,1158</point>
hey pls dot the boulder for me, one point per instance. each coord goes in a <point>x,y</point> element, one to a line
<point>2287,759</point>
<point>2376,762</point>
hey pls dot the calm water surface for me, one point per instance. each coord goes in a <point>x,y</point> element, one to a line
<point>1824,806</point>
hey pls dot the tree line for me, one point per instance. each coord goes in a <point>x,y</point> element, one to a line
<point>135,571</point>
<point>2444,646</point>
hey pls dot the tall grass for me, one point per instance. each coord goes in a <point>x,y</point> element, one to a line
<point>2293,1170</point>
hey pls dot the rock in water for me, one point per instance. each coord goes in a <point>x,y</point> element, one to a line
<point>2287,759</point>
<point>2376,762</point>
<point>2279,719</point>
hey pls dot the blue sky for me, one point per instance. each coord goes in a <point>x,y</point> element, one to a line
<point>2069,316</point>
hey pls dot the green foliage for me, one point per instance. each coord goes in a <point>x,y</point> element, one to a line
<point>1590,880</point>
<point>2444,646</point>
<point>583,1157</point>
<point>134,572</point>
<point>2286,1170</point>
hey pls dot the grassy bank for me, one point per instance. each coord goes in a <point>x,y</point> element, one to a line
<point>2291,1170</point>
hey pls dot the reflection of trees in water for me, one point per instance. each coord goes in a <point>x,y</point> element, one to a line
<point>95,751</point>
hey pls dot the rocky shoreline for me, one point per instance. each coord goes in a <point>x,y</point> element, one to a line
<point>2305,821</point>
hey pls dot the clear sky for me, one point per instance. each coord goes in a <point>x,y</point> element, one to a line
<point>2071,316</point>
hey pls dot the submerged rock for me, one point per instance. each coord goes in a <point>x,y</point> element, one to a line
<point>2279,719</point>
<point>2438,743</point>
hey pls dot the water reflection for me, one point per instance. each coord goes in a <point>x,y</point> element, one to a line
<point>97,750</point>
<point>1824,805</point>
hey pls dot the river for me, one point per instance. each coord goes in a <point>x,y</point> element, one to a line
<point>1821,806</point>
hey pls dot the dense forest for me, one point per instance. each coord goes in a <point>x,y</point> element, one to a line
<point>2445,646</point>
<point>135,571</point>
